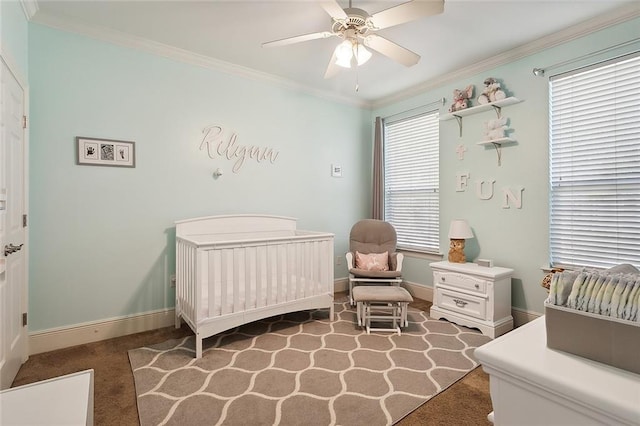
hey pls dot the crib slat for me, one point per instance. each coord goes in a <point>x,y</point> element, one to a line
<point>272,271</point>
<point>224,279</point>
<point>249,278</point>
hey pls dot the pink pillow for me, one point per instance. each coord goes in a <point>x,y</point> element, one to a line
<point>372,261</point>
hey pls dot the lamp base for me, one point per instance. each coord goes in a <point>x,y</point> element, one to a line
<point>456,251</point>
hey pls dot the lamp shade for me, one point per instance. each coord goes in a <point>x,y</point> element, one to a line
<point>362,54</point>
<point>344,53</point>
<point>460,230</point>
<point>346,50</point>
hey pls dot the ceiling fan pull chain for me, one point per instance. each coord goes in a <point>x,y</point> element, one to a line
<point>357,84</point>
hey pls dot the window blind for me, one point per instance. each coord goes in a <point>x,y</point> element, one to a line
<point>411,181</point>
<point>595,165</point>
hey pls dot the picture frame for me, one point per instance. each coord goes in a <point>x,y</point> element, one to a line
<point>105,152</point>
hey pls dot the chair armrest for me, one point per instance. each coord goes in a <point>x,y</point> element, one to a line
<point>399,259</point>
<point>349,257</point>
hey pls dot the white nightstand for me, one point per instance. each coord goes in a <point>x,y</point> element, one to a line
<point>473,296</point>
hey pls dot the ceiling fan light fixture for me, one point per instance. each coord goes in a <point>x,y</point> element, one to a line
<point>344,53</point>
<point>362,54</point>
<point>348,49</point>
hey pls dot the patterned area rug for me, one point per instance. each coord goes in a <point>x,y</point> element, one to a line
<point>300,368</point>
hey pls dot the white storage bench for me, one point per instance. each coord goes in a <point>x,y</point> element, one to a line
<point>381,303</point>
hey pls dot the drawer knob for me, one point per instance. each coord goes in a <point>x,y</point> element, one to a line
<point>460,303</point>
<point>477,286</point>
<point>442,279</point>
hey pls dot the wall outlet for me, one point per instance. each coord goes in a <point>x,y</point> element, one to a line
<point>339,260</point>
<point>172,280</point>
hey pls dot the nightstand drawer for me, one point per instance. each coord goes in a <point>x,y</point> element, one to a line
<point>463,303</point>
<point>462,281</point>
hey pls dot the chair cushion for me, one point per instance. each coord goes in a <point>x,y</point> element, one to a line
<point>372,236</point>
<point>372,261</point>
<point>363,273</point>
<point>366,293</point>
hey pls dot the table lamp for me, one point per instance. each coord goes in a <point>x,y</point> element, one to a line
<point>458,232</point>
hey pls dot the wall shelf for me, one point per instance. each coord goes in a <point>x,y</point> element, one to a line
<point>496,106</point>
<point>497,144</point>
<point>500,141</point>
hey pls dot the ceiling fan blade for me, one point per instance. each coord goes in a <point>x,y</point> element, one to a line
<point>407,12</point>
<point>333,9</point>
<point>392,50</point>
<point>297,39</point>
<point>333,68</point>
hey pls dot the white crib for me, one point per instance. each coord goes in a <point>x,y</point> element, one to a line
<point>232,270</point>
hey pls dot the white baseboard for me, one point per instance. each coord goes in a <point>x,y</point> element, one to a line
<point>421,291</point>
<point>521,317</point>
<point>341,284</point>
<point>59,338</point>
<point>418,290</point>
<point>64,337</point>
<point>79,334</point>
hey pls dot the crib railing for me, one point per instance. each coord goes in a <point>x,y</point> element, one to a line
<point>213,281</point>
<point>186,289</point>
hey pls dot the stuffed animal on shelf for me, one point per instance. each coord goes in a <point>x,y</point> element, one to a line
<point>492,92</point>
<point>461,98</point>
<point>495,129</point>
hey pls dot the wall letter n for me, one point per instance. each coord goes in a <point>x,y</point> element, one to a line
<point>510,196</point>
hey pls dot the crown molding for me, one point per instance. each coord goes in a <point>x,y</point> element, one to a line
<point>185,56</point>
<point>29,7</point>
<point>617,16</point>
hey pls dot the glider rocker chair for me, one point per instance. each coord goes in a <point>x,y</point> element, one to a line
<point>372,257</point>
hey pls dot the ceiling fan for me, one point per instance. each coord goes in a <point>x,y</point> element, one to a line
<point>357,29</point>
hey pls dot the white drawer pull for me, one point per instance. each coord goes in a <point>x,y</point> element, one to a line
<point>460,303</point>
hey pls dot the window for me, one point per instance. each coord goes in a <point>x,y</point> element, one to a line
<point>411,198</point>
<point>595,165</point>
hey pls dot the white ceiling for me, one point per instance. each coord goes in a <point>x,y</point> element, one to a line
<point>231,32</point>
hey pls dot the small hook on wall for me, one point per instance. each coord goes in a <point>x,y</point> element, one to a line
<point>217,173</point>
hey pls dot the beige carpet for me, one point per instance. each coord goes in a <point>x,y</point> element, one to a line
<point>300,368</point>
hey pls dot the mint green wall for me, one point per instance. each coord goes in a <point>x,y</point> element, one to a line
<point>14,35</point>
<point>515,238</point>
<point>102,238</point>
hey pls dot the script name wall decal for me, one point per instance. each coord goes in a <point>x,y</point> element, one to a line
<point>216,145</point>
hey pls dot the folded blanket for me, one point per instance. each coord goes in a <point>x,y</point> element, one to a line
<point>624,268</point>
<point>619,296</point>
<point>607,293</point>
<point>631,310</point>
<point>553,289</point>
<point>564,286</point>
<point>580,281</point>
<point>587,291</point>
<point>591,305</point>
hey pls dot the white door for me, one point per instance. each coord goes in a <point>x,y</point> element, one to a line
<point>13,303</point>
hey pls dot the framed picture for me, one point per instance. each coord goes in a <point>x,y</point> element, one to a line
<point>105,152</point>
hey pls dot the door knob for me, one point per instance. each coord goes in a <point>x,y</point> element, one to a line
<point>8,249</point>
